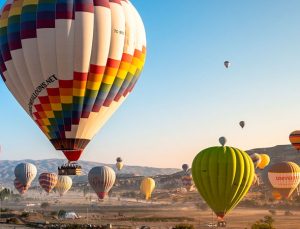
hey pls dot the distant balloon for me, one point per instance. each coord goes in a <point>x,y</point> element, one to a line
<point>25,173</point>
<point>185,167</point>
<point>265,160</point>
<point>63,185</point>
<point>222,141</point>
<point>256,159</point>
<point>187,182</point>
<point>227,64</point>
<point>284,177</point>
<point>242,124</point>
<point>48,181</point>
<point>147,186</point>
<point>295,139</point>
<point>101,179</point>
<point>20,187</point>
<point>223,176</point>
<point>119,159</point>
<point>276,195</point>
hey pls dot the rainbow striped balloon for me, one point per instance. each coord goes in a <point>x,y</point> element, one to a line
<point>48,181</point>
<point>71,64</point>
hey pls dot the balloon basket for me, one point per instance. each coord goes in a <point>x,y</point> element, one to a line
<point>70,169</point>
<point>222,224</point>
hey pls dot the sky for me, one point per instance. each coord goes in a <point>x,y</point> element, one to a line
<point>185,99</point>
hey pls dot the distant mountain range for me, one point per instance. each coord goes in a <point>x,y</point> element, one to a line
<point>50,165</point>
<point>276,153</point>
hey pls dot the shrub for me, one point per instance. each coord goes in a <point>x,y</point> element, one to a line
<point>184,226</point>
<point>45,205</point>
<point>61,213</point>
<point>24,214</point>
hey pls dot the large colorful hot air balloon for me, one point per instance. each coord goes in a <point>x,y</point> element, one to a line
<point>185,167</point>
<point>256,159</point>
<point>119,163</point>
<point>265,160</point>
<point>71,64</point>
<point>25,173</point>
<point>147,186</point>
<point>63,185</point>
<point>223,176</point>
<point>295,139</point>
<point>284,177</point>
<point>48,181</point>
<point>187,182</point>
<point>20,187</point>
<point>101,179</point>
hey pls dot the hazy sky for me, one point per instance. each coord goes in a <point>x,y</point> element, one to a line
<point>185,98</point>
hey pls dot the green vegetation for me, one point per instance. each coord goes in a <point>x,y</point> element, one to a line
<point>265,223</point>
<point>158,219</point>
<point>45,205</point>
<point>24,214</point>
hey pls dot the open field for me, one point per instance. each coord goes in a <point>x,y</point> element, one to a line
<point>132,213</point>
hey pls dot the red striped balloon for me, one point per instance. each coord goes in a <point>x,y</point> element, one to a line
<point>295,139</point>
<point>20,187</point>
<point>48,181</point>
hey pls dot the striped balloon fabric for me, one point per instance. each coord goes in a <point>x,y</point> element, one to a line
<point>295,139</point>
<point>101,179</point>
<point>71,64</point>
<point>48,181</point>
<point>187,182</point>
<point>64,183</point>
<point>25,173</point>
<point>20,187</point>
<point>256,159</point>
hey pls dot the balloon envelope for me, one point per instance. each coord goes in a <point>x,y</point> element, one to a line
<point>71,65</point>
<point>63,185</point>
<point>147,186</point>
<point>48,181</point>
<point>187,182</point>
<point>295,139</point>
<point>223,176</point>
<point>119,165</point>
<point>265,160</point>
<point>256,159</point>
<point>284,177</point>
<point>20,187</point>
<point>101,179</point>
<point>185,167</point>
<point>25,173</point>
<point>227,64</point>
<point>222,141</point>
<point>242,124</point>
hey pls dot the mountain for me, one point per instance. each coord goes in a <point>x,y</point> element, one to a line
<point>50,165</point>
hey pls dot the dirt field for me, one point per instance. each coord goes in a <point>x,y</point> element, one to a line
<point>130,213</point>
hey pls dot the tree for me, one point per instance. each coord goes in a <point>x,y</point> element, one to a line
<point>45,205</point>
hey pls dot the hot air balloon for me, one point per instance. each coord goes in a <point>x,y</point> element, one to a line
<point>284,177</point>
<point>265,160</point>
<point>222,141</point>
<point>276,195</point>
<point>101,179</point>
<point>20,187</point>
<point>187,182</point>
<point>119,163</point>
<point>223,176</point>
<point>147,186</point>
<point>48,181</point>
<point>295,139</point>
<point>25,173</point>
<point>185,167</point>
<point>227,64</point>
<point>242,124</point>
<point>256,159</point>
<point>71,65</point>
<point>63,185</point>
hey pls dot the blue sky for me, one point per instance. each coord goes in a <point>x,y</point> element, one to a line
<point>185,98</point>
